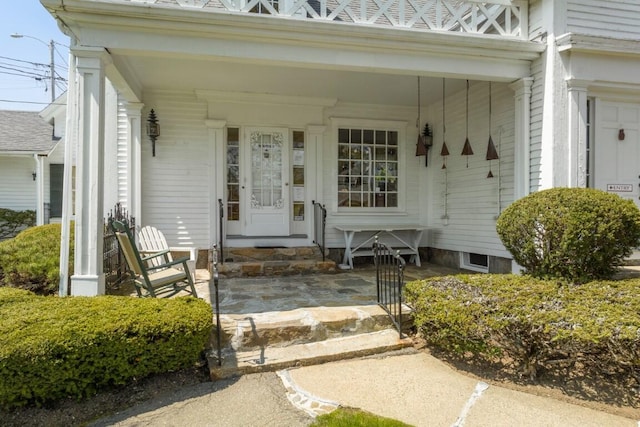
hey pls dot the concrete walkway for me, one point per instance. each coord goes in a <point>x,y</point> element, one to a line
<point>412,387</point>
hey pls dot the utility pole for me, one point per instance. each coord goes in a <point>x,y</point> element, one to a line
<point>53,71</point>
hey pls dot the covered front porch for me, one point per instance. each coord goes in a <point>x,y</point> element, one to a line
<point>263,113</point>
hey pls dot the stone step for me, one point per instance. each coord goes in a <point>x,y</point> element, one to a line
<point>259,254</point>
<point>276,358</point>
<point>276,268</point>
<point>256,331</point>
<point>274,261</point>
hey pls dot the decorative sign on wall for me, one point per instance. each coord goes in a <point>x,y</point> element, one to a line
<point>620,188</point>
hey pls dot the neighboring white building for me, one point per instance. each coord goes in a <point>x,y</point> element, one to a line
<point>269,105</point>
<point>30,172</point>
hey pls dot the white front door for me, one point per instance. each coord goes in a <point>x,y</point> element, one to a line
<point>266,182</point>
<point>617,149</point>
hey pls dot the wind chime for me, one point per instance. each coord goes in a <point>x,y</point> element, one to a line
<point>444,151</point>
<point>466,150</point>
<point>492,153</point>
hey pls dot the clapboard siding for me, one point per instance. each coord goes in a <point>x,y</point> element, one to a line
<point>611,18</point>
<point>537,110</point>
<point>473,201</point>
<point>18,189</point>
<point>122,156</point>
<point>536,23</point>
<point>175,183</point>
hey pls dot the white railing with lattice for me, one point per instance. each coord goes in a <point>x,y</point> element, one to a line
<point>505,18</point>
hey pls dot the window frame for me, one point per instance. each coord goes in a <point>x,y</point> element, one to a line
<point>376,125</point>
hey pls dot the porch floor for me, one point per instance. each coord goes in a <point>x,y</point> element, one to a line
<point>355,287</point>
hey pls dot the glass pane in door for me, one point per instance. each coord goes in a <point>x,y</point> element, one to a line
<point>266,170</point>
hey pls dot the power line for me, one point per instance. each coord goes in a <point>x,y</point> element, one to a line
<point>38,64</point>
<point>31,102</point>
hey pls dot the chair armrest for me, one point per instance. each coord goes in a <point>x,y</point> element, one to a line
<point>193,251</point>
<point>182,260</point>
<point>154,254</point>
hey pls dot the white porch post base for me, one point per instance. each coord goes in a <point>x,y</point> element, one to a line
<point>87,286</point>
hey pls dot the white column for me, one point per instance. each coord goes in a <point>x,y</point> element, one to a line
<point>315,158</point>
<point>522,136</point>
<point>577,133</point>
<point>134,159</point>
<point>70,147</point>
<point>217,169</point>
<point>314,146</point>
<point>88,277</point>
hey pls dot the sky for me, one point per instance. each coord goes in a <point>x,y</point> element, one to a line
<point>20,56</point>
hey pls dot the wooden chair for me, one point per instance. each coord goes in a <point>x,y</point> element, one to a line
<point>154,279</point>
<point>151,240</point>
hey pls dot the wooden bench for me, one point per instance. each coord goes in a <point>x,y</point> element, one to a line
<point>403,245</point>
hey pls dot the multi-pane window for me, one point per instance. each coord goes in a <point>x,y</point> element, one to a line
<point>298,175</point>
<point>233,174</point>
<point>367,168</point>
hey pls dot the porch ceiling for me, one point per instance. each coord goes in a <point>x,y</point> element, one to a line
<point>347,86</point>
<point>158,47</point>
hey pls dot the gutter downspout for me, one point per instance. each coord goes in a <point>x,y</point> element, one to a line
<point>39,178</point>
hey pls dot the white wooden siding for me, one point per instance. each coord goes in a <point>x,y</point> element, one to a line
<point>536,23</point>
<point>537,110</point>
<point>175,183</point>
<point>18,189</point>
<point>110,148</point>
<point>473,200</point>
<point>122,158</point>
<point>611,18</point>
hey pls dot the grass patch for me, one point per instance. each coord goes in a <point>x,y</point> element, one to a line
<point>351,417</point>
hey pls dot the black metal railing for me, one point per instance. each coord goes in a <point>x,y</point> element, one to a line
<point>215,281</point>
<point>389,280</point>
<point>113,261</point>
<point>221,236</point>
<point>319,226</point>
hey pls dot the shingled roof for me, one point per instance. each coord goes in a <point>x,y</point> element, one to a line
<point>25,132</point>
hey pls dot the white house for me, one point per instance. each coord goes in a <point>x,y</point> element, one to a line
<point>268,105</point>
<point>30,165</point>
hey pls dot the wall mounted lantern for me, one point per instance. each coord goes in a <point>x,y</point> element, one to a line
<point>34,175</point>
<point>153,130</point>
<point>425,138</point>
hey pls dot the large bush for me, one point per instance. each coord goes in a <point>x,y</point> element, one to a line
<point>31,260</point>
<point>53,347</point>
<point>11,222</point>
<point>578,234</point>
<point>536,325</point>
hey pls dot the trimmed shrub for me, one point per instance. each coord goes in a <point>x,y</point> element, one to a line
<point>11,222</point>
<point>53,347</point>
<point>535,324</point>
<point>32,259</point>
<point>578,234</point>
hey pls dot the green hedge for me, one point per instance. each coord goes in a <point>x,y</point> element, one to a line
<point>31,260</point>
<point>538,324</point>
<point>54,347</point>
